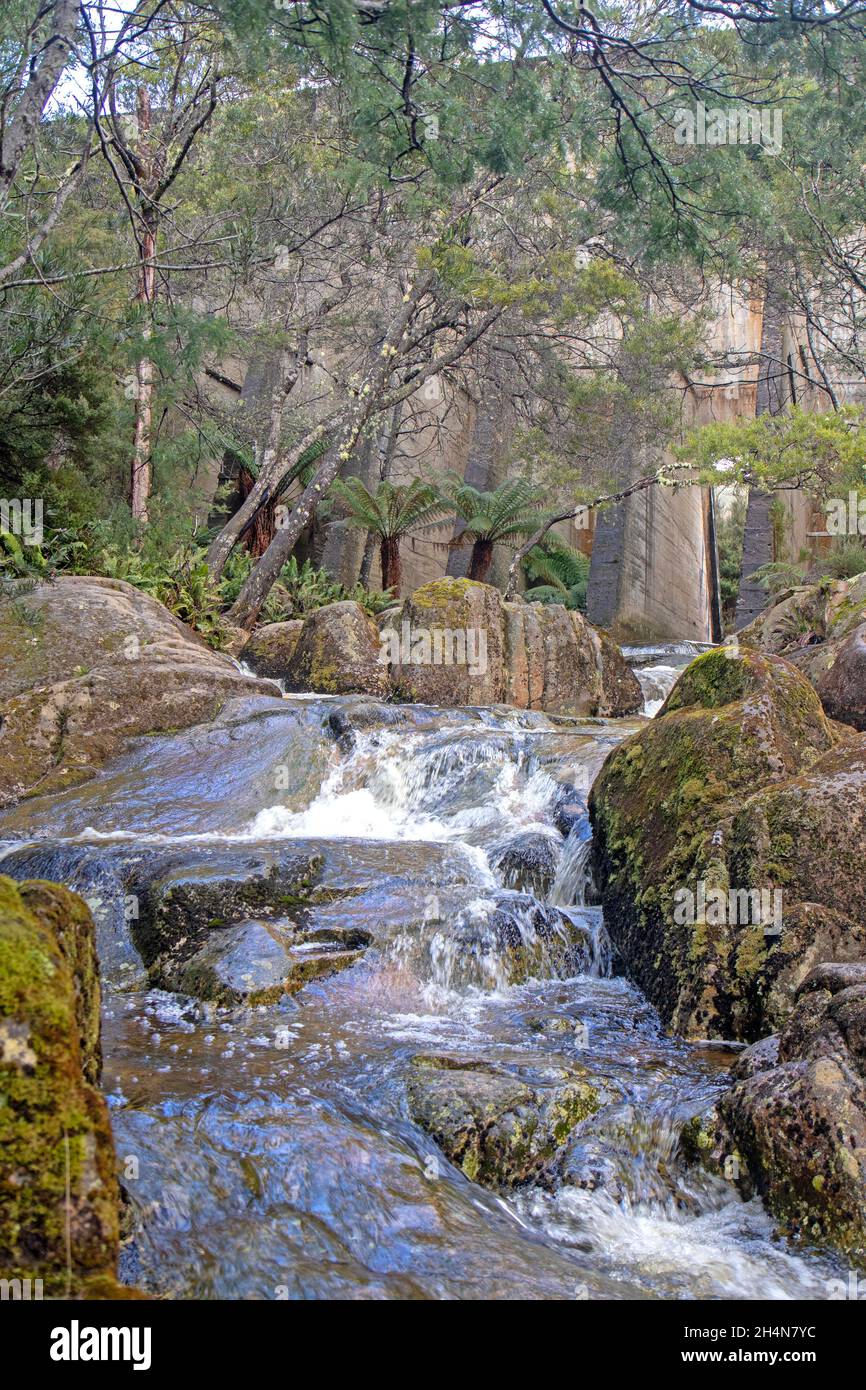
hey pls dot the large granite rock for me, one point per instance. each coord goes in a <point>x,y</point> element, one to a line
<point>87,663</point>
<point>335,651</point>
<point>793,1126</point>
<point>727,839</point>
<point>54,1126</point>
<point>457,642</point>
<point>453,642</point>
<point>270,649</point>
<point>821,629</point>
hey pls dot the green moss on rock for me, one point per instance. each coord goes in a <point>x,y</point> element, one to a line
<point>54,1128</point>
<point>663,808</point>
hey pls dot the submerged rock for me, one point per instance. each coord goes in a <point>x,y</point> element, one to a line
<point>521,939</point>
<point>500,1129</point>
<point>85,664</point>
<point>528,862</point>
<point>703,807</point>
<point>222,924</point>
<point>257,962</point>
<point>54,1127</point>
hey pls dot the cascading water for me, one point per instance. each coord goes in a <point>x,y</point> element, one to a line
<point>274,1151</point>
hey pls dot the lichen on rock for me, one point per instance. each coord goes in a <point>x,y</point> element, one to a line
<point>499,1128</point>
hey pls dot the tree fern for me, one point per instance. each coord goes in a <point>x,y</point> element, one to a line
<point>390,513</point>
<point>510,510</point>
<point>557,573</point>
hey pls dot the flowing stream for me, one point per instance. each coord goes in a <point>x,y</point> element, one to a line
<point>269,1152</point>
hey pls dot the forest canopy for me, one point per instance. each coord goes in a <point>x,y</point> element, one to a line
<point>375,202</point>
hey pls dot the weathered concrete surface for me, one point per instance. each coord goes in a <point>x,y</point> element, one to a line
<point>651,577</point>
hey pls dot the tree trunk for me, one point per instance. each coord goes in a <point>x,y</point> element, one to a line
<point>389,555</point>
<point>245,609</point>
<point>387,449</point>
<point>140,483</point>
<point>367,560</point>
<point>261,530</point>
<point>482,557</point>
<point>272,469</point>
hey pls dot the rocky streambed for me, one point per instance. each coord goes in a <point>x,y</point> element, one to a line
<point>361,1031</point>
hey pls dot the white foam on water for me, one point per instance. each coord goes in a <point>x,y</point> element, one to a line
<point>725,1251</point>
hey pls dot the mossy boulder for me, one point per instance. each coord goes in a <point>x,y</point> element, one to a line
<point>457,642</point>
<point>54,1127</point>
<point>337,652</point>
<point>795,1117</point>
<point>804,839</point>
<point>664,810</point>
<point>501,1129</point>
<point>85,664</point>
<point>270,649</point>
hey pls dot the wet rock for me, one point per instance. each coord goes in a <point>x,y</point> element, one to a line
<point>570,810</point>
<point>531,940</point>
<point>594,1164</point>
<point>500,1129</point>
<point>99,881</point>
<point>761,1056</point>
<point>257,962</point>
<point>190,902</point>
<point>712,792</point>
<point>271,647</point>
<point>362,717</point>
<point>798,1128</point>
<point>337,652</point>
<point>54,1126</point>
<point>528,862</point>
<point>458,642</point>
<point>96,662</point>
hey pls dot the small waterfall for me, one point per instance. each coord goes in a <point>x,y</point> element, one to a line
<point>573,875</point>
<point>457,844</point>
<point>496,942</point>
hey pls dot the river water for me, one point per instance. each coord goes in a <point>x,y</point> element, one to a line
<point>269,1152</point>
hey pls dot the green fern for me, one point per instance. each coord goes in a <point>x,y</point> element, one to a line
<point>557,573</point>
